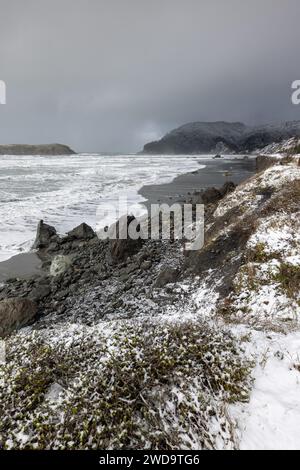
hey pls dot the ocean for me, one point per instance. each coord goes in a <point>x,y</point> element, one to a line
<point>65,191</point>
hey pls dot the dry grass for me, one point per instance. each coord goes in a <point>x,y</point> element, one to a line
<point>289,278</point>
<point>287,200</point>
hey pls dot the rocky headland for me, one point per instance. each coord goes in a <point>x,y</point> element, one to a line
<point>221,137</point>
<point>44,149</point>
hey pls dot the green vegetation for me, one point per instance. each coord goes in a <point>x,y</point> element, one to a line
<point>258,254</point>
<point>146,385</point>
<point>289,278</point>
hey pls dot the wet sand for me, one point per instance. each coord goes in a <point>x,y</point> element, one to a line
<point>216,173</point>
<point>22,266</point>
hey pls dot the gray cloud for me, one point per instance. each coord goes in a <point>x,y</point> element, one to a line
<point>112,74</point>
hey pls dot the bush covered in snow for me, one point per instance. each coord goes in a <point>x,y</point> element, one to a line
<point>140,386</point>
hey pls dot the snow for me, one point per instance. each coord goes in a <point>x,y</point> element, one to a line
<point>279,233</point>
<point>278,150</point>
<point>245,195</point>
<point>267,313</point>
<point>271,420</point>
<point>54,392</point>
<point>268,305</point>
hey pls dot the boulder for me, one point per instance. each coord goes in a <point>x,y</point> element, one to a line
<point>227,188</point>
<point>263,162</point>
<point>166,276</point>
<point>211,195</point>
<point>146,265</point>
<point>120,248</point>
<point>82,232</point>
<point>40,292</point>
<point>44,236</point>
<point>16,313</point>
<point>59,265</point>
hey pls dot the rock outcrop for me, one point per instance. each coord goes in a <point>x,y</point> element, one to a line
<point>45,234</point>
<point>59,265</point>
<point>82,232</point>
<point>122,248</point>
<point>221,137</point>
<point>213,195</point>
<point>263,162</point>
<point>15,313</point>
<point>45,149</point>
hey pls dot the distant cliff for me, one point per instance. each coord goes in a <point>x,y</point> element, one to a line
<point>221,137</point>
<point>48,149</point>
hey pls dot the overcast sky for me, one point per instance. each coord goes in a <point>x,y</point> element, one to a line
<point>110,75</point>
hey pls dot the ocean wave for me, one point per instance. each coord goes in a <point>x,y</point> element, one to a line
<point>65,191</point>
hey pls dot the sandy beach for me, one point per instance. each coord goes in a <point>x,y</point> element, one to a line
<point>216,173</point>
<point>22,266</point>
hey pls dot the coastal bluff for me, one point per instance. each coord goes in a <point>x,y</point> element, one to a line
<point>44,149</point>
<point>221,137</point>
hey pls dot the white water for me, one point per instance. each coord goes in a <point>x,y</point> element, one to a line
<point>65,191</point>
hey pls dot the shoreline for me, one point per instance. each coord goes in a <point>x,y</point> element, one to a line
<point>26,265</point>
<point>215,173</point>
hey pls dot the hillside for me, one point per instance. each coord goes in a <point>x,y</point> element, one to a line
<point>221,137</point>
<point>45,149</point>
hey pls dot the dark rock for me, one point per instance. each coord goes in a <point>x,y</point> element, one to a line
<point>62,294</point>
<point>166,276</point>
<point>82,232</point>
<point>54,246</point>
<point>121,249</point>
<point>131,268</point>
<point>40,292</point>
<point>227,188</point>
<point>146,265</point>
<point>263,162</point>
<point>16,313</point>
<point>44,236</point>
<point>211,195</point>
<point>46,149</point>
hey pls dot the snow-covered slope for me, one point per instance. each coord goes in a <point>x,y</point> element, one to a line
<point>287,147</point>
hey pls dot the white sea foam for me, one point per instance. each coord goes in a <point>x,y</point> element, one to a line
<point>65,191</point>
